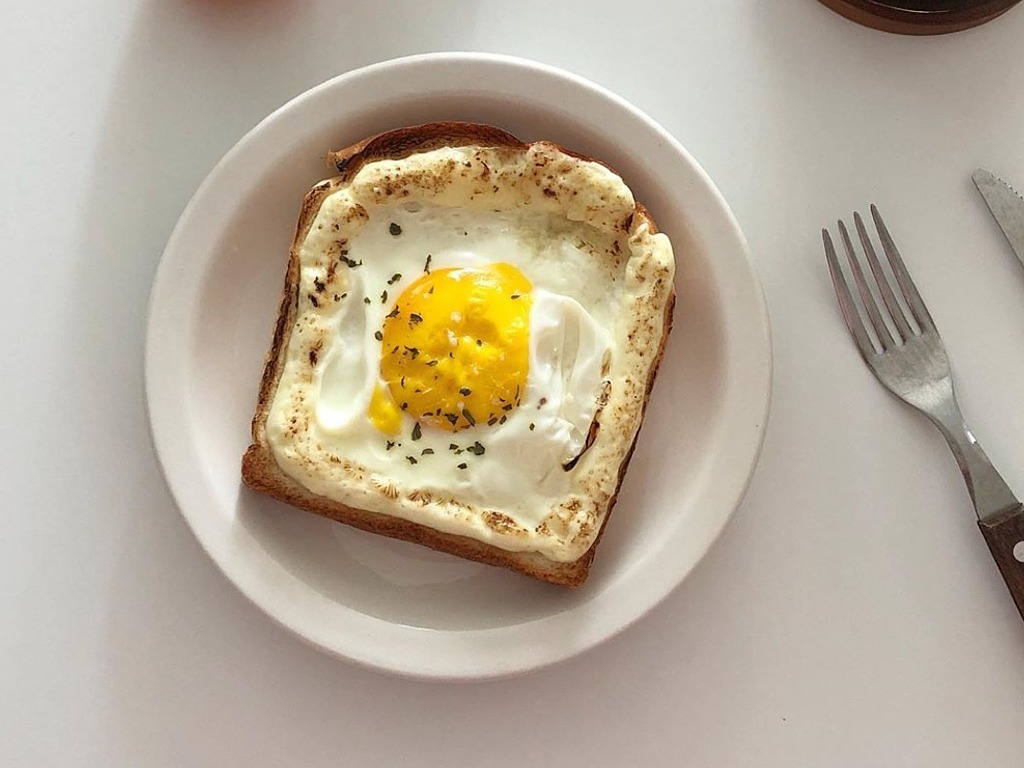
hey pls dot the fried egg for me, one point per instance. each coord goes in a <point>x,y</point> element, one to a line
<point>455,346</point>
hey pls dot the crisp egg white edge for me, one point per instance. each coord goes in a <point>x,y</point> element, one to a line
<point>546,181</point>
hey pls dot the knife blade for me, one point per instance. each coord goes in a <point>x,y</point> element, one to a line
<point>1006,205</point>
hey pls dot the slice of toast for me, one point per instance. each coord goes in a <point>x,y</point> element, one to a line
<point>262,472</point>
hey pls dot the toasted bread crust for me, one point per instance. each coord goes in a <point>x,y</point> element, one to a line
<point>260,470</point>
<point>402,142</point>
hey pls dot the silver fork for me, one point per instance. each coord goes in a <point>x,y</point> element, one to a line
<point>908,357</point>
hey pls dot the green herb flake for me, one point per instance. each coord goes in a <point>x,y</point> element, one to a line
<point>426,264</point>
<point>383,297</point>
<point>394,229</point>
<point>417,433</point>
<point>427,452</point>
<point>532,426</point>
<point>465,391</point>
<point>476,449</point>
<point>378,336</point>
<point>415,319</point>
<point>412,459</point>
<point>395,278</point>
<point>463,465</point>
<point>469,417</point>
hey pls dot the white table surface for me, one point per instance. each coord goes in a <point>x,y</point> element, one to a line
<point>850,614</point>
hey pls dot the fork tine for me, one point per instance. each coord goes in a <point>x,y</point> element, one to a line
<point>870,305</point>
<point>910,292</point>
<point>895,310</point>
<point>853,319</point>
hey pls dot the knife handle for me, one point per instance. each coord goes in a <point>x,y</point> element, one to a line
<point>1004,534</point>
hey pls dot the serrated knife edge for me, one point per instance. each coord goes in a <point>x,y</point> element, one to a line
<point>1006,206</point>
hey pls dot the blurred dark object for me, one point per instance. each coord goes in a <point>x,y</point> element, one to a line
<point>921,17</point>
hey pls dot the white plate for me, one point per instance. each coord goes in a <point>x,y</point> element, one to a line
<point>393,605</point>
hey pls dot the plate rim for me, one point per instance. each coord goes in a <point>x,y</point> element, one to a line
<point>500,666</point>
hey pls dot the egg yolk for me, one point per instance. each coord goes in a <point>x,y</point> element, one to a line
<point>455,348</point>
<point>384,414</point>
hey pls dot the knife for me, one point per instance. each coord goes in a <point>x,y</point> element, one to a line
<point>1007,208</point>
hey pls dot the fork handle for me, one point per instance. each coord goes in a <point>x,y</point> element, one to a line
<point>1004,534</point>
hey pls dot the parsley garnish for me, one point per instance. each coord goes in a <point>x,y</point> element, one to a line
<point>463,465</point>
<point>476,449</point>
<point>427,452</point>
<point>349,262</point>
<point>412,459</point>
<point>426,264</point>
<point>395,278</point>
<point>415,319</point>
<point>394,229</point>
<point>383,297</point>
<point>465,391</point>
<point>417,433</point>
<point>378,336</point>
<point>469,418</point>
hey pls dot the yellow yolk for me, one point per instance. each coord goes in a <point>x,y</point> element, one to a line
<point>384,413</point>
<point>455,348</point>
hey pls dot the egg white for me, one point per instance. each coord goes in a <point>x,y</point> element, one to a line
<point>521,468</point>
